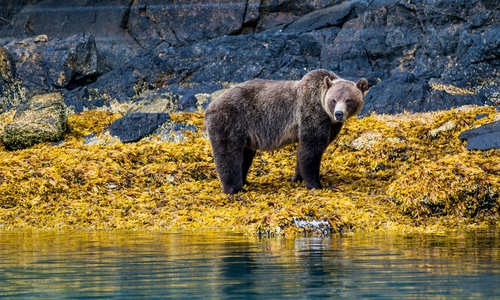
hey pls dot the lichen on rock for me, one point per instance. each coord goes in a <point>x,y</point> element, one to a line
<point>42,119</point>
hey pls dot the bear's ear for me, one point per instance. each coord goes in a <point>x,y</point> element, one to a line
<point>362,85</point>
<point>327,82</point>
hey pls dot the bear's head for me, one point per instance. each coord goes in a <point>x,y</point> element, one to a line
<point>343,99</point>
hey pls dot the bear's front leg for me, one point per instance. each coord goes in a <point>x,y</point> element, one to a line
<point>229,167</point>
<point>310,151</point>
<point>229,160</point>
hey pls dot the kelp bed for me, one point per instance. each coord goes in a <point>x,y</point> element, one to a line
<point>383,173</point>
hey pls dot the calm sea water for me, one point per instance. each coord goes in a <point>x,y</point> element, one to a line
<point>231,266</point>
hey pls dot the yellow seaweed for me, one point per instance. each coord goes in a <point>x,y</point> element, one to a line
<point>407,180</point>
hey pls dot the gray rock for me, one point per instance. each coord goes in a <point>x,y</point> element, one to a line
<point>135,126</point>
<point>311,226</point>
<point>448,126</point>
<point>172,132</point>
<point>484,137</point>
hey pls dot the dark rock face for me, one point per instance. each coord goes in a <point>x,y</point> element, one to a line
<point>483,137</point>
<point>10,92</point>
<point>418,55</point>
<point>184,22</point>
<point>49,65</point>
<point>135,126</point>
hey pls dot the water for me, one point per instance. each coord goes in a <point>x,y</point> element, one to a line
<point>231,266</point>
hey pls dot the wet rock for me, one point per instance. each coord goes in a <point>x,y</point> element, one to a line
<point>401,92</point>
<point>122,84</point>
<point>313,226</point>
<point>48,65</point>
<point>277,20</point>
<point>42,119</point>
<point>368,140</point>
<point>484,137</point>
<point>388,39</point>
<point>188,102</point>
<point>135,126</point>
<point>172,132</point>
<point>11,93</point>
<point>480,116</point>
<point>106,20</point>
<point>296,7</point>
<point>102,139</point>
<point>450,125</point>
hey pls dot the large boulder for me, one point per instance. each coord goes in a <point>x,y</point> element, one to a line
<point>135,126</point>
<point>42,119</point>
<point>484,137</point>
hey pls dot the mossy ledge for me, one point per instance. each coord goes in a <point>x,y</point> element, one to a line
<point>401,179</point>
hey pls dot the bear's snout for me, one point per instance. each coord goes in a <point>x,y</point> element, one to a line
<point>339,112</point>
<point>339,115</point>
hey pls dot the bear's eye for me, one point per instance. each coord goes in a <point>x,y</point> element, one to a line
<point>349,101</point>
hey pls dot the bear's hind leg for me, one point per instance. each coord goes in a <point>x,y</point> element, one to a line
<point>248,155</point>
<point>297,177</point>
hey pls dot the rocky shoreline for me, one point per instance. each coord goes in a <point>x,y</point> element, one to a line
<point>101,113</point>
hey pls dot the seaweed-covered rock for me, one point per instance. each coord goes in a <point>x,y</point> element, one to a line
<point>450,125</point>
<point>464,187</point>
<point>42,119</point>
<point>484,137</point>
<point>10,89</point>
<point>135,126</point>
<point>173,132</point>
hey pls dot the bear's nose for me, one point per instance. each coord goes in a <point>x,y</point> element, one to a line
<point>339,115</point>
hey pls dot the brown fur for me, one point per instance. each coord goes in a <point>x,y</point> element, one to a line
<point>266,115</point>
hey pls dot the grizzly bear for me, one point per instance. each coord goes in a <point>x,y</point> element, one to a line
<point>267,114</point>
